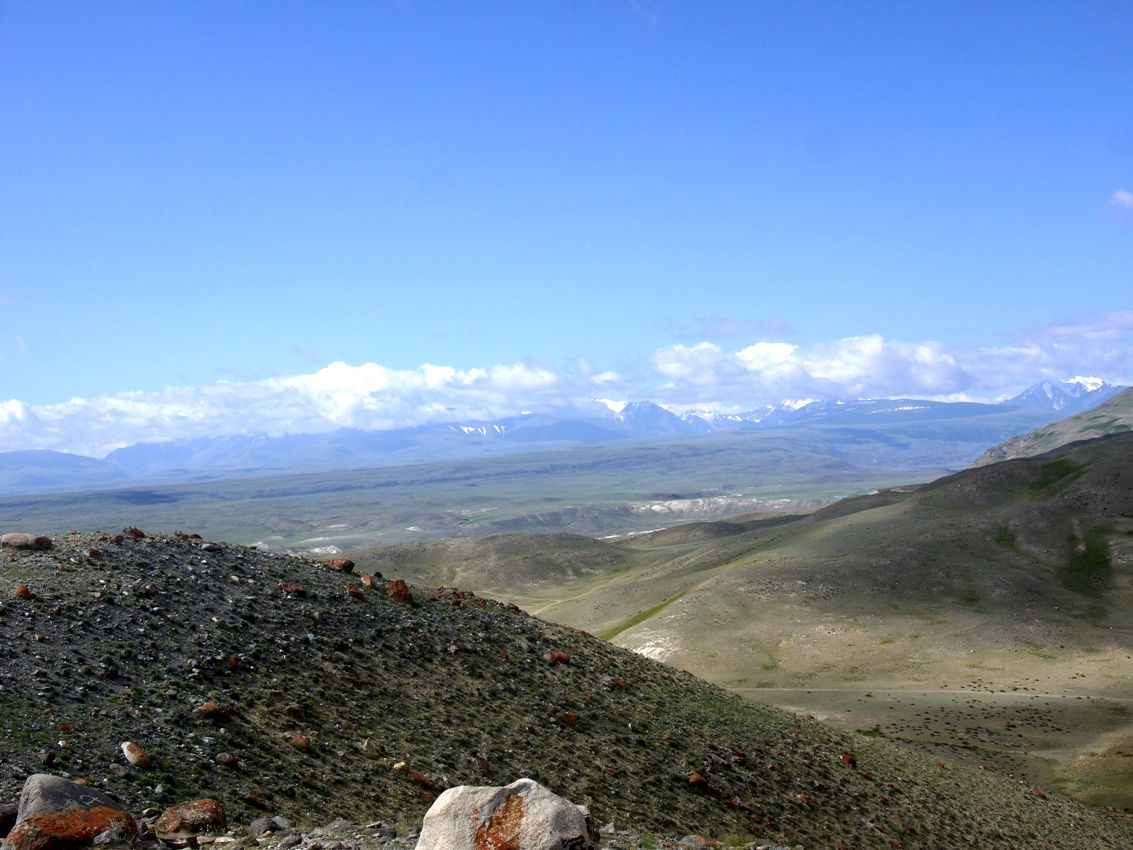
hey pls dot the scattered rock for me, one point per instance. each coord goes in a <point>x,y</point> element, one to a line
<point>25,541</point>
<point>398,591</point>
<point>520,816</point>
<point>205,815</point>
<point>209,710</point>
<point>260,826</point>
<point>135,755</point>
<point>55,814</point>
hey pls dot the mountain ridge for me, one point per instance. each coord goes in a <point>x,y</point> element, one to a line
<point>206,458</point>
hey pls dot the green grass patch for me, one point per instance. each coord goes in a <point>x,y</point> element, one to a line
<point>1056,475</point>
<point>639,617</point>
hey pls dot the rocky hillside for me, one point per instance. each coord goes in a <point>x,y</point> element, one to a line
<point>1113,417</point>
<point>286,685</point>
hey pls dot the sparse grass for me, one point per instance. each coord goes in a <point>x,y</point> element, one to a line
<point>1056,475</point>
<point>637,619</point>
<point>1005,536</point>
<point>1089,567</point>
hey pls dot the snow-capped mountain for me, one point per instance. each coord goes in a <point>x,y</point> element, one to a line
<point>604,421</point>
<point>1064,397</point>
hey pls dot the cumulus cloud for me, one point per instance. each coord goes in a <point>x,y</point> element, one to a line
<point>368,396</point>
<point>871,366</point>
<point>705,374</point>
<point>769,372</point>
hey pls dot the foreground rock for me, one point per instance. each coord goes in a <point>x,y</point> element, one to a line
<point>521,815</point>
<point>17,540</point>
<point>199,816</point>
<point>57,814</point>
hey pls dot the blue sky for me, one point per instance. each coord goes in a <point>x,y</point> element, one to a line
<point>704,203</point>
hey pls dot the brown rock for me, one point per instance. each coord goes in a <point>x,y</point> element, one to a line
<point>368,579</point>
<point>342,565</point>
<point>205,815</point>
<point>22,591</point>
<point>697,780</point>
<point>398,591</point>
<point>292,589</point>
<point>356,593</point>
<point>25,541</point>
<point>211,711</point>
<point>93,553</point>
<point>134,532</point>
<point>135,755</point>
<point>557,656</point>
<point>76,828</point>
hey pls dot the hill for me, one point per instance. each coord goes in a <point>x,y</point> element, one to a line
<point>1115,416</point>
<point>985,617</point>
<point>262,680</point>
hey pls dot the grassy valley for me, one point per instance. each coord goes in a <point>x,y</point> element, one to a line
<point>986,617</point>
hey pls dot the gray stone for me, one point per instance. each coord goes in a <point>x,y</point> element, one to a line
<point>261,825</point>
<point>55,812</point>
<point>523,814</point>
<point>47,793</point>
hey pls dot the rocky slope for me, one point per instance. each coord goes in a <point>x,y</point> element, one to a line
<point>282,685</point>
<point>1113,417</point>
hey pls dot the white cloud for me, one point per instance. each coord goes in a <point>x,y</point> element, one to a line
<point>1121,200</point>
<point>705,375</point>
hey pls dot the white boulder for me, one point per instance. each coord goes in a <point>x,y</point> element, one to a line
<point>520,816</point>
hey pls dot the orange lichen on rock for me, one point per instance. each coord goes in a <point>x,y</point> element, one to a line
<point>398,591</point>
<point>502,830</point>
<point>205,815</point>
<point>76,828</point>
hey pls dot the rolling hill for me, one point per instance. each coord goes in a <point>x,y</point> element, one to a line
<point>1115,416</point>
<point>987,616</point>
<point>277,683</point>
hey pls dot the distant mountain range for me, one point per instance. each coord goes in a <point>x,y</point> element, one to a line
<point>1114,416</point>
<point>968,427</point>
